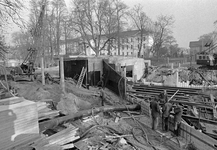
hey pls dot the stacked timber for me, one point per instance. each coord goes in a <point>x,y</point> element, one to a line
<point>45,111</point>
<point>62,139</point>
<point>18,122</point>
<point>142,91</point>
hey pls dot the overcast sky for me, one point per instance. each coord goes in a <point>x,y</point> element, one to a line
<point>192,17</point>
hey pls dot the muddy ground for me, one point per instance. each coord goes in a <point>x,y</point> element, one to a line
<point>136,134</point>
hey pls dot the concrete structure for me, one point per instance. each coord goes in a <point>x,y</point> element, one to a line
<point>134,66</point>
<point>74,64</point>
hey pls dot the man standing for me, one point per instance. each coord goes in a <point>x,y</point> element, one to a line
<point>177,119</point>
<point>163,96</point>
<point>102,96</point>
<point>155,112</point>
<point>167,108</point>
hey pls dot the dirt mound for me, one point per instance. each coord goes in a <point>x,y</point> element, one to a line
<point>70,104</point>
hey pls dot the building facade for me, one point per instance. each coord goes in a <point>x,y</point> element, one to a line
<point>129,44</point>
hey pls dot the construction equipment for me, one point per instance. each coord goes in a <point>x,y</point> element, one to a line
<point>27,67</point>
<point>81,77</point>
<point>5,88</point>
<point>206,58</point>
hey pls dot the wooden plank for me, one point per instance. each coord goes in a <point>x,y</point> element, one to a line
<point>60,138</point>
<point>18,122</point>
<point>48,114</point>
<point>68,146</point>
<point>199,139</point>
<point>213,105</point>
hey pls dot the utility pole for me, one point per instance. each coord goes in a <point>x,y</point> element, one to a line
<point>62,75</point>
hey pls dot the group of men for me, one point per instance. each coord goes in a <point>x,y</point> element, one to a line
<point>164,112</point>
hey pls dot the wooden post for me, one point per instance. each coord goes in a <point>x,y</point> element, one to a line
<point>42,70</point>
<point>125,81</point>
<point>94,74</point>
<point>177,78</point>
<point>168,60</point>
<point>62,82</point>
<point>171,65</point>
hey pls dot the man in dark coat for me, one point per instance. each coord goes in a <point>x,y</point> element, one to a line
<point>163,96</point>
<point>155,112</point>
<point>102,96</point>
<point>177,119</point>
<point>167,108</point>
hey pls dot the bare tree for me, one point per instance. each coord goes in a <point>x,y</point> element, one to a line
<point>89,22</point>
<point>121,10</point>
<point>21,41</point>
<point>11,9</point>
<point>111,25</point>
<point>162,29</point>
<point>60,10</point>
<point>3,48</point>
<point>141,22</point>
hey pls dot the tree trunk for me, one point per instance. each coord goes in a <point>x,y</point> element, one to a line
<point>54,122</point>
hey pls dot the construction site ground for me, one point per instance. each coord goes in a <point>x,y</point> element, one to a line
<point>134,127</point>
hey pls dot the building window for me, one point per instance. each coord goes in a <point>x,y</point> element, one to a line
<point>123,53</point>
<point>127,46</point>
<point>131,46</point>
<point>122,40</point>
<point>123,47</point>
<point>143,45</point>
<point>144,38</point>
<point>131,53</point>
<point>131,39</point>
<point>127,40</point>
<point>138,39</point>
<point>114,53</point>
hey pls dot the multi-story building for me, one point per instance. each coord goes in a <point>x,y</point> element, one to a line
<point>129,44</point>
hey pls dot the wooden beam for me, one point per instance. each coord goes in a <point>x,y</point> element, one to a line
<point>54,122</point>
<point>199,119</point>
<point>213,106</point>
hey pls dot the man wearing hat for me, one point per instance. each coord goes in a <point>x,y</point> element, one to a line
<point>155,112</point>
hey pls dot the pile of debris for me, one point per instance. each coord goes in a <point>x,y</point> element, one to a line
<point>76,120</point>
<point>194,76</point>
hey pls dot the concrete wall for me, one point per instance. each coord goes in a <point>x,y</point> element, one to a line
<point>95,64</point>
<point>137,63</point>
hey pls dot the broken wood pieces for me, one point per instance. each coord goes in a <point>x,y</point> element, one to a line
<point>45,111</point>
<point>60,139</point>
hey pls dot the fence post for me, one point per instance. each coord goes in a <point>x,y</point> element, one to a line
<point>62,75</point>
<point>171,65</point>
<point>168,60</point>
<point>177,78</point>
